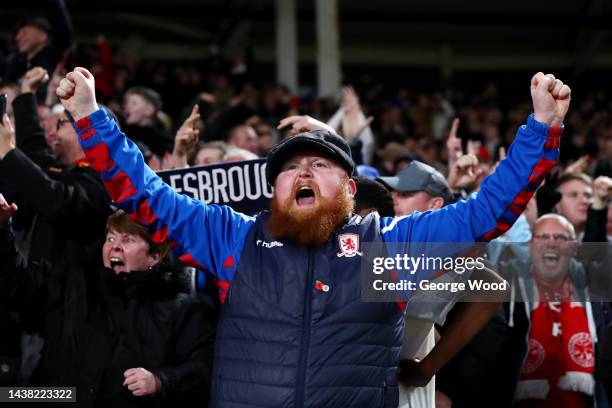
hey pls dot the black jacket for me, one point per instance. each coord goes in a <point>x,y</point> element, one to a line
<point>98,324</point>
<point>68,205</point>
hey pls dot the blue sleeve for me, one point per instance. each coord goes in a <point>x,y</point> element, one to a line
<point>502,198</point>
<point>208,237</point>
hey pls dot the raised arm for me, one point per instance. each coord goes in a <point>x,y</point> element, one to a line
<point>75,199</point>
<point>29,135</point>
<point>209,237</point>
<point>505,193</point>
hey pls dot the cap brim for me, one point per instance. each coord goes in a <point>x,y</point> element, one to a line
<point>298,144</point>
<point>389,182</point>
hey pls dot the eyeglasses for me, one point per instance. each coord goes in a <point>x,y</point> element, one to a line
<point>60,122</point>
<point>554,237</point>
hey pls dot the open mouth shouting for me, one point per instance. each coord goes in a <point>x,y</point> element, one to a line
<point>117,264</point>
<point>305,196</point>
<point>551,259</point>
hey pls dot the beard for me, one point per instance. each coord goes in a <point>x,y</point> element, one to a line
<point>313,225</point>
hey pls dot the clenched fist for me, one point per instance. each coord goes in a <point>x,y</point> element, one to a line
<point>141,382</point>
<point>77,93</point>
<point>33,79</point>
<point>550,98</point>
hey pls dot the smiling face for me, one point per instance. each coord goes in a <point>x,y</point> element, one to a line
<point>551,248</point>
<point>312,195</point>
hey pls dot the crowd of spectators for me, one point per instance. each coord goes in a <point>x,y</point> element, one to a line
<point>183,115</point>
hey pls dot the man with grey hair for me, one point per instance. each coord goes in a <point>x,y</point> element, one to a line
<point>556,324</point>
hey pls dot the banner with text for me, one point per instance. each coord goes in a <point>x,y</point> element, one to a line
<point>241,185</point>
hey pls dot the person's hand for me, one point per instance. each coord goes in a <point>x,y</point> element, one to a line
<point>207,97</point>
<point>6,210</point>
<point>303,123</point>
<point>77,93</point>
<point>187,136</point>
<point>33,79</point>
<point>349,100</point>
<point>579,166</point>
<point>453,144</point>
<point>7,136</point>
<point>602,191</point>
<point>414,373</point>
<point>464,173</point>
<point>353,120</point>
<point>551,99</point>
<point>141,382</point>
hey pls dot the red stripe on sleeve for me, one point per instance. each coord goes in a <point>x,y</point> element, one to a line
<point>83,123</point>
<point>159,236</point>
<point>541,169</point>
<point>187,259</point>
<point>99,158</point>
<point>120,187</point>
<point>500,228</point>
<point>88,133</point>
<point>144,214</point>
<point>520,202</point>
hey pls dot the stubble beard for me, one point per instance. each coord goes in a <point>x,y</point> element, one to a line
<point>313,225</point>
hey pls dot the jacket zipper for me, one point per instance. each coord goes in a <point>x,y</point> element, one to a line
<point>299,397</point>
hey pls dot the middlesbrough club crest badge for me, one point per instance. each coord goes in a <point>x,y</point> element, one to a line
<point>349,245</point>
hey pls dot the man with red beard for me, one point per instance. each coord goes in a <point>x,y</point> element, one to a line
<point>293,330</point>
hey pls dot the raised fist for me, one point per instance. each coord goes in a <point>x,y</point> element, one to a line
<point>77,93</point>
<point>33,79</point>
<point>602,191</point>
<point>550,98</point>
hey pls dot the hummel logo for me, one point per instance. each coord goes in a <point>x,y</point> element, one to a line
<point>269,244</point>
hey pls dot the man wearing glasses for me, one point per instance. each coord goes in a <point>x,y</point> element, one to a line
<point>65,198</point>
<point>553,328</point>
